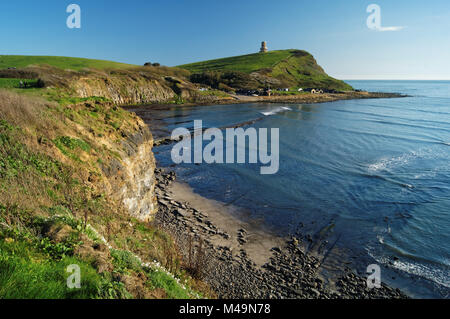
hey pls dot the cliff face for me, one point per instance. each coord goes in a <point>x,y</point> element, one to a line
<point>140,86</point>
<point>131,179</point>
<point>124,91</point>
<point>111,151</point>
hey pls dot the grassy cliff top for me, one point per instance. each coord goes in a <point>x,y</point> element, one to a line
<point>244,63</point>
<point>291,67</point>
<point>76,64</point>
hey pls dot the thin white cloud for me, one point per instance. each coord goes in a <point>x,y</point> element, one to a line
<point>387,29</point>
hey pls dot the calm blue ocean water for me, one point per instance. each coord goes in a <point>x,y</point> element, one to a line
<point>377,169</point>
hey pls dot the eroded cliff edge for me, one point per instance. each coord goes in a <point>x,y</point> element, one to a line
<point>130,178</point>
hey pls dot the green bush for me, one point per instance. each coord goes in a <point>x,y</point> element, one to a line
<point>124,260</point>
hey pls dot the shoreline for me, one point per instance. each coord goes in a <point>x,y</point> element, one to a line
<point>307,98</point>
<point>240,259</point>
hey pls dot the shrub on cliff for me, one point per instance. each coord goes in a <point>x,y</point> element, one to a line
<point>230,80</point>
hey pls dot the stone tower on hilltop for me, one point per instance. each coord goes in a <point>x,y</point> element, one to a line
<point>263,47</point>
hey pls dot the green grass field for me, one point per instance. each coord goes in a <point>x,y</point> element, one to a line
<point>76,64</point>
<point>244,63</point>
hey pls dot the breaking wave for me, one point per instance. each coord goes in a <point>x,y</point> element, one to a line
<point>277,110</point>
<point>434,273</point>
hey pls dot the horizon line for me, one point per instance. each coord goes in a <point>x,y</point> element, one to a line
<point>395,79</point>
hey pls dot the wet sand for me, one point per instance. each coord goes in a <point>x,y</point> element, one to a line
<point>250,236</point>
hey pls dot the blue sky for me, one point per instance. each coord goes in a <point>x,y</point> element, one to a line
<point>174,32</point>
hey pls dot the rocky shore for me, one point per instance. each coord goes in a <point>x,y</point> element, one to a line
<point>307,98</point>
<point>238,259</point>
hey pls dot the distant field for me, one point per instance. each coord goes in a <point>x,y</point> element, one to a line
<point>244,63</point>
<point>76,64</point>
